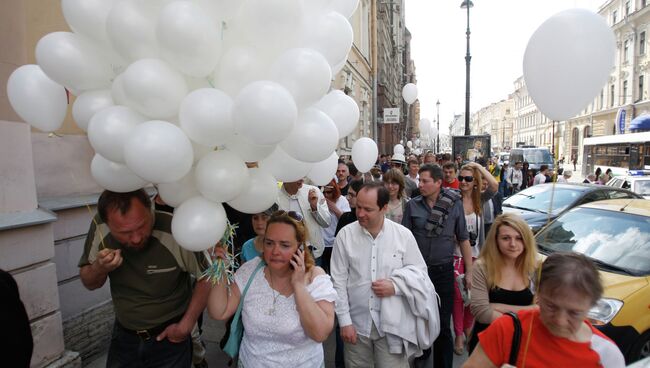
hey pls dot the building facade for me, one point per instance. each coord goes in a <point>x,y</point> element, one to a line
<point>495,120</point>
<point>457,125</point>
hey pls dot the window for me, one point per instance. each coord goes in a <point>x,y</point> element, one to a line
<point>614,15</point>
<point>642,43</point>
<point>641,92</point>
<point>611,96</point>
<point>627,8</point>
<point>643,3</point>
<point>602,99</point>
<point>626,49</point>
<point>624,92</point>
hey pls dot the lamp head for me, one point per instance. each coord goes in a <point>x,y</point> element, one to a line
<point>466,3</point>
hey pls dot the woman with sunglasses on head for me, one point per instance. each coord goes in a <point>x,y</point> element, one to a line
<point>288,309</point>
<point>471,177</point>
<point>557,334</point>
<point>338,205</point>
<point>503,274</point>
<point>394,181</point>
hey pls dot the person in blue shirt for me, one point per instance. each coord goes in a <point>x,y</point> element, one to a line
<point>253,247</point>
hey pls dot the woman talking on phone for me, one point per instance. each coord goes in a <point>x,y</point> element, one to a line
<point>288,310</point>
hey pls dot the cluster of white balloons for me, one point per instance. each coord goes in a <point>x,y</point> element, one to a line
<point>567,62</point>
<point>184,93</point>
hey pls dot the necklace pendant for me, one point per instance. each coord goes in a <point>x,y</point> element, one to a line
<point>271,312</point>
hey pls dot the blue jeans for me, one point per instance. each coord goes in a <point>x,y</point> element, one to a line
<point>130,351</point>
<point>442,277</point>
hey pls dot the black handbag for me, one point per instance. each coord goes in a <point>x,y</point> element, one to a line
<point>516,339</point>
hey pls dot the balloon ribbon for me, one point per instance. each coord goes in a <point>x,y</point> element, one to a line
<point>222,269</point>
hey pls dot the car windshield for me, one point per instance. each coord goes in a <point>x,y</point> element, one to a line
<point>618,239</point>
<point>537,156</point>
<point>642,187</point>
<point>542,198</point>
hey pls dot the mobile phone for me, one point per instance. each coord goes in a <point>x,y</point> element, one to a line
<point>300,247</point>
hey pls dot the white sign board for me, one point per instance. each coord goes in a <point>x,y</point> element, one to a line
<point>391,116</point>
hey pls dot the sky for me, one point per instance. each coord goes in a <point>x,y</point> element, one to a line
<point>500,30</point>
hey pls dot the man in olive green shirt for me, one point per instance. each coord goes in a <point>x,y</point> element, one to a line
<point>155,305</point>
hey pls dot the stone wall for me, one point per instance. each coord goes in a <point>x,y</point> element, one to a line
<point>89,332</point>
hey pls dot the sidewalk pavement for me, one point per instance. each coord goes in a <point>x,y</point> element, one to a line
<point>214,330</point>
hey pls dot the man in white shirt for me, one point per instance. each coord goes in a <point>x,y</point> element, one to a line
<point>308,201</point>
<point>365,255</point>
<point>566,175</point>
<point>514,178</point>
<point>540,178</point>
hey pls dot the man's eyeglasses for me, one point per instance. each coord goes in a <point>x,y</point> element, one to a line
<point>351,195</point>
<point>468,179</point>
<point>292,214</point>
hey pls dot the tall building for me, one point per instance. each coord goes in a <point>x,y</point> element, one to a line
<point>457,125</point>
<point>495,120</point>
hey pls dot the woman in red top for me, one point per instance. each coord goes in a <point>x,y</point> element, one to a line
<point>557,334</point>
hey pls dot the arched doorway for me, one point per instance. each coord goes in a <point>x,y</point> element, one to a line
<point>575,141</point>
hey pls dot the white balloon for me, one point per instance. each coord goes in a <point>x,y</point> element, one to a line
<point>205,117</point>
<point>315,8</point>
<point>331,35</point>
<point>88,17</point>
<point>410,93</point>
<point>239,66</point>
<point>323,172</point>
<point>336,68</point>
<point>264,112</point>
<point>314,137</point>
<point>188,38</point>
<point>433,132</point>
<point>154,88</point>
<point>270,23</point>
<point>425,127</point>
<point>73,61</point>
<point>158,151</point>
<point>345,7</point>
<point>109,129</point>
<point>284,167</point>
<point>409,144</point>
<point>200,151</point>
<point>88,104</point>
<point>37,99</point>
<point>247,150</point>
<point>305,73</point>
<point>364,154</point>
<point>342,109</point>
<point>260,195</point>
<point>567,61</point>
<point>117,91</point>
<point>131,25</point>
<point>177,192</point>
<point>221,176</point>
<point>114,177</point>
<point>198,224</point>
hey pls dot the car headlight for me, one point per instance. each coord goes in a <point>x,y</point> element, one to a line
<point>604,311</point>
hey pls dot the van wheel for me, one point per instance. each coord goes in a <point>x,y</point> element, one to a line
<point>640,349</point>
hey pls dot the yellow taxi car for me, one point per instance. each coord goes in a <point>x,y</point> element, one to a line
<point>615,234</point>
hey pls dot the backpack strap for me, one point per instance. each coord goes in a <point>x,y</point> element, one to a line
<point>516,339</point>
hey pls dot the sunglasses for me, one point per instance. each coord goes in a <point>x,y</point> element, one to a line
<point>468,179</point>
<point>292,214</point>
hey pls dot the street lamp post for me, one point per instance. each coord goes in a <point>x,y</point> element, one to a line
<point>466,5</point>
<point>438,126</point>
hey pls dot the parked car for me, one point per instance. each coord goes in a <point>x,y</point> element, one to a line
<point>536,157</point>
<point>615,234</point>
<point>638,181</point>
<point>504,158</point>
<point>540,204</point>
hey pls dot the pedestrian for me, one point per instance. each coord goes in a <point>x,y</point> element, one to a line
<point>541,178</point>
<point>514,178</point>
<point>288,309</point>
<point>342,177</point>
<point>575,162</point>
<point>253,247</point>
<point>566,175</point>
<point>382,288</point>
<point>450,177</point>
<point>503,184</point>
<point>155,306</point>
<point>437,220</point>
<point>337,205</point>
<point>558,333</point>
<point>394,182</point>
<point>528,175</point>
<point>16,335</point>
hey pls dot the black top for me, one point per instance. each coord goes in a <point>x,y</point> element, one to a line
<point>346,219</point>
<point>16,343</point>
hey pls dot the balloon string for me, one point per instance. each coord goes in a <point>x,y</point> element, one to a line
<point>102,245</point>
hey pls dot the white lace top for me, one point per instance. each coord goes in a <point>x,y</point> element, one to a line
<point>277,340</point>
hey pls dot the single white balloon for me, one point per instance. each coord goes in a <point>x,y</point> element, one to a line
<point>131,28</point>
<point>314,137</point>
<point>221,176</point>
<point>264,112</point>
<point>37,99</point>
<point>88,104</point>
<point>270,23</point>
<point>284,167</point>
<point>364,154</point>
<point>153,88</point>
<point>567,61</point>
<point>109,129</point>
<point>158,151</point>
<point>198,224</point>
<point>260,195</point>
<point>410,93</point>
<point>205,116</point>
<point>345,7</point>
<point>177,192</point>
<point>331,35</point>
<point>323,172</point>
<point>342,109</point>
<point>115,177</point>
<point>88,17</point>
<point>398,149</point>
<point>239,66</point>
<point>247,150</point>
<point>305,73</point>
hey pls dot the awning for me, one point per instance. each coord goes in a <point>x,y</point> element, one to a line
<point>640,123</point>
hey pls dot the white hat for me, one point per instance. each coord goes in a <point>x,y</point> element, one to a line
<point>398,158</point>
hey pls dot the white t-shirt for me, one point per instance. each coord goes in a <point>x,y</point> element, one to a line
<point>328,232</point>
<point>278,339</point>
<point>539,179</point>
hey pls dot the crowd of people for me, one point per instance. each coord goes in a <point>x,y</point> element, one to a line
<point>383,260</point>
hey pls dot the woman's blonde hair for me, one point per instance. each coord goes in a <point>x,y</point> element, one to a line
<point>396,176</point>
<point>477,187</point>
<point>295,220</point>
<point>493,259</point>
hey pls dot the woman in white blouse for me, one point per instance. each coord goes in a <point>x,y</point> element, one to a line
<point>288,310</point>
